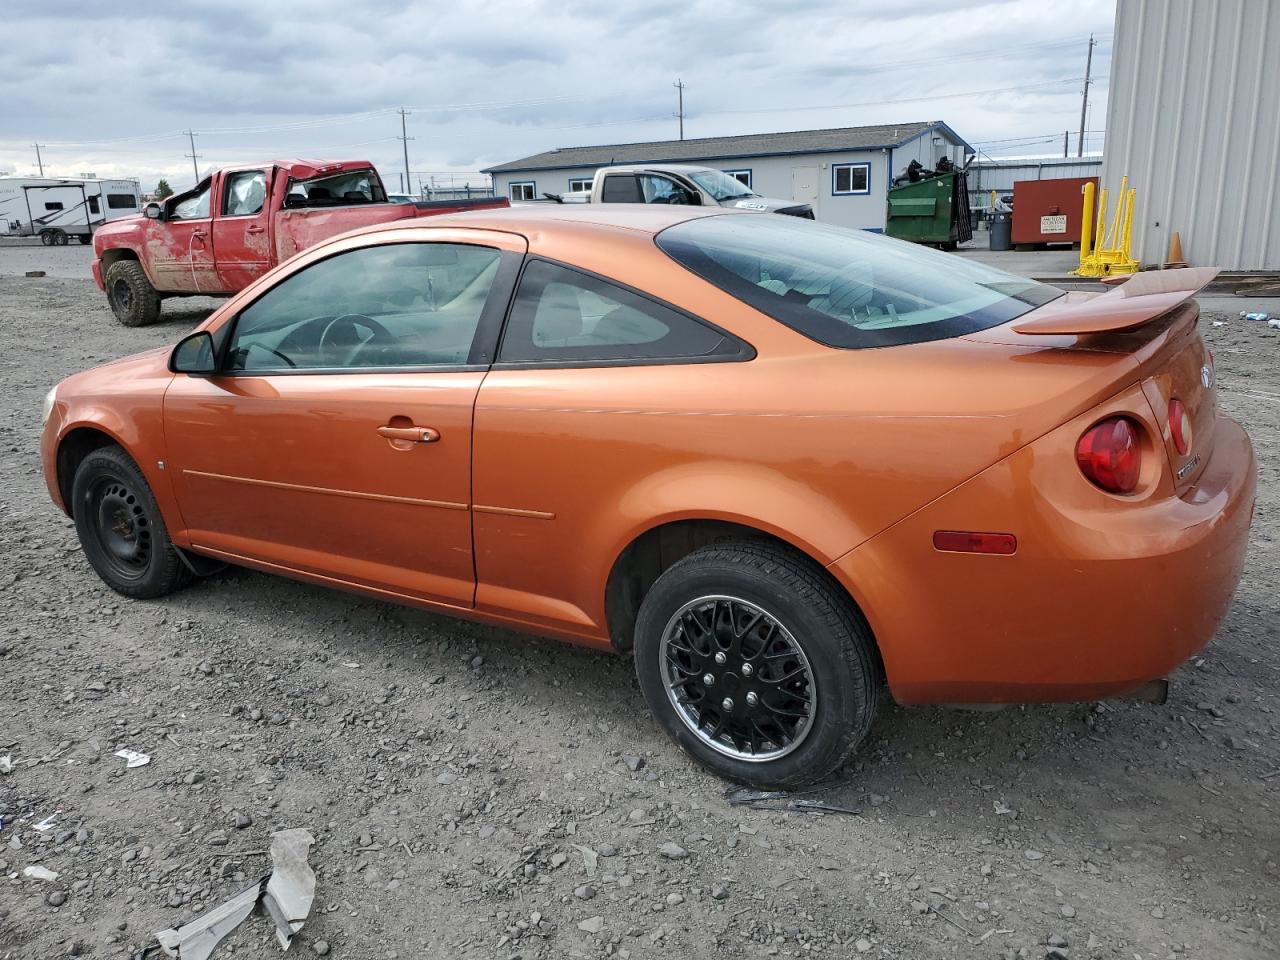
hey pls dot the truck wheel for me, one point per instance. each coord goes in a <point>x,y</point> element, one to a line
<point>46,237</point>
<point>133,300</point>
<point>60,238</point>
<point>120,527</point>
<point>756,664</point>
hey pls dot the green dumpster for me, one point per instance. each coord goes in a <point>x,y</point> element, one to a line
<point>934,210</point>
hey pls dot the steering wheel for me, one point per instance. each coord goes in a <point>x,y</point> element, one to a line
<point>340,339</point>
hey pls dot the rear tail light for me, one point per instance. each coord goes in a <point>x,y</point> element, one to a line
<point>1110,455</point>
<point>1180,426</point>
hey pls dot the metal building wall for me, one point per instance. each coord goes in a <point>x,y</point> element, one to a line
<point>1000,175</point>
<point>1193,118</point>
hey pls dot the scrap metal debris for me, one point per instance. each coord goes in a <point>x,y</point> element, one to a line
<point>285,895</point>
<point>133,758</point>
<point>782,801</point>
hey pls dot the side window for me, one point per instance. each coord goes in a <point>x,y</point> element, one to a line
<point>121,201</point>
<point>193,205</point>
<point>658,189</point>
<point>52,205</point>
<point>245,193</point>
<point>397,305</point>
<point>561,314</point>
<point>94,207</point>
<point>621,188</point>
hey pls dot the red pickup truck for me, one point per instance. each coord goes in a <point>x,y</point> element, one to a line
<point>237,224</point>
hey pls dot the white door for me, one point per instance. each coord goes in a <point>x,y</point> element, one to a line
<point>804,185</point>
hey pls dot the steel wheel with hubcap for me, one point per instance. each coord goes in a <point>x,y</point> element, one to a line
<point>737,678</point>
<point>757,663</point>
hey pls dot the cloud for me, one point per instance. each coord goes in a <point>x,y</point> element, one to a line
<point>111,87</point>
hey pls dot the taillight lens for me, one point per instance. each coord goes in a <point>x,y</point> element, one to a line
<point>1110,455</point>
<point>1180,426</point>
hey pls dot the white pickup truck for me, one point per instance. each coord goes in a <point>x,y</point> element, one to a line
<point>681,184</point>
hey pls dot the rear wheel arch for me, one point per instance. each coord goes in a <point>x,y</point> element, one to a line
<point>653,551</point>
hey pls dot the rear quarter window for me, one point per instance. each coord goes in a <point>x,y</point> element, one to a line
<point>848,288</point>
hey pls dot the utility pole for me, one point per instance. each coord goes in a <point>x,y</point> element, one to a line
<point>193,155</point>
<point>404,139</point>
<point>1084,103</point>
<point>1066,137</point>
<point>39,162</point>
<point>679,85</point>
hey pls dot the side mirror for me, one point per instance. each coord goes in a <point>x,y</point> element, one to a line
<point>194,354</point>
<point>153,211</point>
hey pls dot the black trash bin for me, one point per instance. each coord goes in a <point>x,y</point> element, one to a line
<point>1001,231</point>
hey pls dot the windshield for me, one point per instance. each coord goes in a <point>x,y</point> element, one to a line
<point>849,288</point>
<point>720,185</point>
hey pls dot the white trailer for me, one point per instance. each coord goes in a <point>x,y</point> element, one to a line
<point>57,209</point>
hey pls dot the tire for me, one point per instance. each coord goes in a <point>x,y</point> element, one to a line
<point>46,237</point>
<point>835,680</point>
<point>85,238</point>
<point>59,238</point>
<point>120,527</point>
<point>133,300</point>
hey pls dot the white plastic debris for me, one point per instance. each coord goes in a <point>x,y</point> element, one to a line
<point>133,758</point>
<point>47,822</point>
<point>285,895</point>
<point>39,873</point>
<point>6,763</point>
<point>1274,323</point>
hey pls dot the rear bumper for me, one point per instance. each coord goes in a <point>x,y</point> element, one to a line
<point>1102,595</point>
<point>97,275</point>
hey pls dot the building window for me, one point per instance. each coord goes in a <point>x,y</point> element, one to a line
<point>523,191</point>
<point>580,184</point>
<point>850,178</point>
<point>742,176</point>
<point>121,201</point>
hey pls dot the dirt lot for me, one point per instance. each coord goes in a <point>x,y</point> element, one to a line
<point>467,786</point>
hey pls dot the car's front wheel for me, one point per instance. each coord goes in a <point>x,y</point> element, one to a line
<point>757,664</point>
<point>120,527</point>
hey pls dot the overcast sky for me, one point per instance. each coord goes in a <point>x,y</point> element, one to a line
<point>109,87</point>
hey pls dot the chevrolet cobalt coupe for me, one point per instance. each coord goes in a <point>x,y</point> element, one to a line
<point>786,465</point>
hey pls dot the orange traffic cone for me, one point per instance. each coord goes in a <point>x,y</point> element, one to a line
<point>1175,252</point>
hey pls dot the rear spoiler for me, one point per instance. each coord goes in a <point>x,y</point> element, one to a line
<point>1138,300</point>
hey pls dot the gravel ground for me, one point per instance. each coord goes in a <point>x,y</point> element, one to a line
<point>477,793</point>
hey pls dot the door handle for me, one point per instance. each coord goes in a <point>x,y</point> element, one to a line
<point>412,434</point>
<point>254,228</point>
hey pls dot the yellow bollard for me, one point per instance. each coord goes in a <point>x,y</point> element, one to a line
<point>1086,222</point>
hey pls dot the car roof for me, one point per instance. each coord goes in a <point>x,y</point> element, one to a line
<point>633,217</point>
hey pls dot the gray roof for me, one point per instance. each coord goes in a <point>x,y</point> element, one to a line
<point>721,148</point>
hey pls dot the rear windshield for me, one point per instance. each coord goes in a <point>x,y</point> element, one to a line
<point>848,288</point>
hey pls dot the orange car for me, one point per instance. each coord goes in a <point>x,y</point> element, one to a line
<point>782,462</point>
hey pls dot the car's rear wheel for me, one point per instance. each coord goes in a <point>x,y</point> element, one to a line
<point>133,300</point>
<point>757,664</point>
<point>120,527</point>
